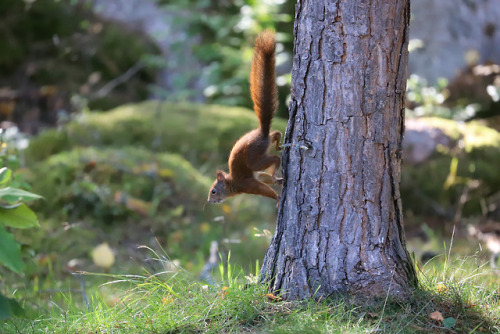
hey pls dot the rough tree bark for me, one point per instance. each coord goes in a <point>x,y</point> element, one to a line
<point>340,218</point>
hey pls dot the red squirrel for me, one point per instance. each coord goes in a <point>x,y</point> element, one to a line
<point>250,153</point>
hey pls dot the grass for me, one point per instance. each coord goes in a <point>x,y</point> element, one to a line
<point>465,295</point>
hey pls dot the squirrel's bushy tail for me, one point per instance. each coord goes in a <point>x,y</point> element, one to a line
<point>263,80</point>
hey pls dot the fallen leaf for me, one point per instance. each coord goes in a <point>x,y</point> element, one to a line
<point>418,328</point>
<point>167,300</point>
<point>226,208</point>
<point>223,293</point>
<point>204,227</point>
<point>103,256</point>
<point>272,297</point>
<point>166,173</point>
<point>449,322</point>
<point>441,287</point>
<point>436,315</point>
<point>469,304</point>
<point>137,205</point>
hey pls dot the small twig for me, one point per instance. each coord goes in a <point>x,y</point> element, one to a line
<point>451,241</point>
<point>206,272</point>
<point>484,207</point>
<point>460,207</point>
<point>120,79</point>
<point>415,317</point>
<point>301,145</point>
<point>386,298</point>
<point>78,276</point>
<point>438,209</point>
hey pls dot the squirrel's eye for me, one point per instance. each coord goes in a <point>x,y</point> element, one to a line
<point>214,191</point>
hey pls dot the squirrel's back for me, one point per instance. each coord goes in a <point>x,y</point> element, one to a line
<point>263,88</point>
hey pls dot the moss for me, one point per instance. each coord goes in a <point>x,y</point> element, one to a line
<point>200,133</point>
<point>69,175</point>
<point>474,134</point>
<point>477,136</point>
<point>48,143</point>
<point>449,127</point>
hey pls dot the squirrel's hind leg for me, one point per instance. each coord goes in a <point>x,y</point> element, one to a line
<point>253,186</point>
<point>275,137</point>
<point>268,178</point>
<point>263,162</point>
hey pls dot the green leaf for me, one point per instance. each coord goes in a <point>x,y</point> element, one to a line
<point>9,307</point>
<point>5,175</point>
<point>13,195</point>
<point>18,217</point>
<point>449,322</point>
<point>10,252</point>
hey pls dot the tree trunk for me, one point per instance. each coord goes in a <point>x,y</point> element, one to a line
<point>340,217</point>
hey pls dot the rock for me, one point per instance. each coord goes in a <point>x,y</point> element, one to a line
<point>421,140</point>
<point>453,34</point>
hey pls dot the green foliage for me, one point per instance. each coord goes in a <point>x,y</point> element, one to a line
<point>15,214</point>
<point>47,143</point>
<point>18,216</point>
<point>78,53</point>
<point>226,271</point>
<point>428,98</point>
<point>429,101</point>
<point>10,252</point>
<point>62,43</point>
<point>5,175</point>
<point>204,135</point>
<point>9,307</point>
<point>13,195</point>
<point>224,35</point>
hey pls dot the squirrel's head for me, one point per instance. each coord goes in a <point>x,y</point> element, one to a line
<point>219,189</point>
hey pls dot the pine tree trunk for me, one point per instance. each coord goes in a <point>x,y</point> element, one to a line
<point>340,223</point>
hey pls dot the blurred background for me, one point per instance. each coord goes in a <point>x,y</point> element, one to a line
<point>118,113</point>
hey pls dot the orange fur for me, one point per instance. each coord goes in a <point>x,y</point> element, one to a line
<point>250,153</point>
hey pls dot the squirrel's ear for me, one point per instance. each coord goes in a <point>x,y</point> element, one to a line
<point>221,176</point>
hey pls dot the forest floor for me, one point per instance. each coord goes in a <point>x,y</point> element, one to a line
<point>453,297</point>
